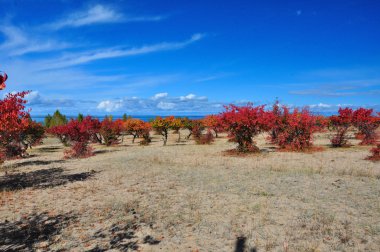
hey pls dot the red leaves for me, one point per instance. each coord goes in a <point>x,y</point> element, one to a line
<point>14,121</point>
<point>110,131</point>
<point>340,124</point>
<point>244,123</point>
<point>77,134</point>
<point>375,153</point>
<point>136,128</point>
<point>214,123</point>
<point>295,129</point>
<point>366,124</point>
<point>3,78</point>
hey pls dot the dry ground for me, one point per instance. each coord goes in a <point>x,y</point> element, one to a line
<point>186,197</point>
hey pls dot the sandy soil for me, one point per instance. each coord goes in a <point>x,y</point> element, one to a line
<point>187,197</point>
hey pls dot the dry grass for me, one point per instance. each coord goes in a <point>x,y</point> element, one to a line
<point>189,197</point>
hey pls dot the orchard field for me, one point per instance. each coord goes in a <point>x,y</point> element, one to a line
<point>188,197</point>
<point>252,178</point>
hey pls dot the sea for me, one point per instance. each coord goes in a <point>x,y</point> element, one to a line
<point>145,118</point>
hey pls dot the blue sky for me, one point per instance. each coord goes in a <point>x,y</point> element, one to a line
<point>179,57</point>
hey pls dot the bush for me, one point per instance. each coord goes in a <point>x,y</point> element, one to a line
<point>197,128</point>
<point>366,124</point>
<point>340,124</point>
<point>136,128</point>
<point>207,138</point>
<point>244,123</point>
<point>188,124</point>
<point>214,123</point>
<point>375,153</point>
<point>77,135</point>
<point>14,121</point>
<point>110,131</point>
<point>295,130</point>
<point>176,125</point>
<point>162,126</point>
<point>33,134</point>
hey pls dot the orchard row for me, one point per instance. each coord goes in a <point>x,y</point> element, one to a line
<point>289,129</point>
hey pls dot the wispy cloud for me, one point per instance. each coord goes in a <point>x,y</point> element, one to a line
<point>82,58</point>
<point>161,102</point>
<point>19,42</point>
<point>213,77</point>
<point>332,93</point>
<point>99,14</point>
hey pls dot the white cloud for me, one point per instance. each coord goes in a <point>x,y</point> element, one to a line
<point>187,97</point>
<point>320,105</point>
<point>19,42</point>
<point>162,102</point>
<point>109,106</point>
<point>159,96</point>
<point>166,105</point>
<point>93,15</point>
<point>99,14</point>
<point>82,58</point>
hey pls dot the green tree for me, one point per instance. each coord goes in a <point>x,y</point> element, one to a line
<point>56,120</point>
<point>80,117</point>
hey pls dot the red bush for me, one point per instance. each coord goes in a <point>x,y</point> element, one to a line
<point>295,129</point>
<point>138,128</point>
<point>340,124</point>
<point>375,153</point>
<point>214,123</point>
<point>144,132</point>
<point>14,122</point>
<point>366,124</point>
<point>207,138</point>
<point>244,123</point>
<point>77,134</point>
<point>110,131</point>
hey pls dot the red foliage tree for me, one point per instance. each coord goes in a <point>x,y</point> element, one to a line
<point>144,132</point>
<point>110,131</point>
<point>366,124</point>
<point>375,153</point>
<point>340,125</point>
<point>33,134</point>
<point>3,78</point>
<point>244,123</point>
<point>137,128</point>
<point>77,134</point>
<point>14,121</point>
<point>295,129</point>
<point>213,123</point>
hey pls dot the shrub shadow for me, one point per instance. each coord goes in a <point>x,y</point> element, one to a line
<point>34,162</point>
<point>37,231</point>
<point>50,149</point>
<point>41,179</point>
<point>240,245</point>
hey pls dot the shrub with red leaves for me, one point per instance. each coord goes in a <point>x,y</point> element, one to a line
<point>77,134</point>
<point>244,123</point>
<point>366,123</point>
<point>197,128</point>
<point>295,129</point>
<point>340,125</point>
<point>144,132</point>
<point>14,121</point>
<point>207,138</point>
<point>375,153</point>
<point>214,123</point>
<point>110,131</point>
